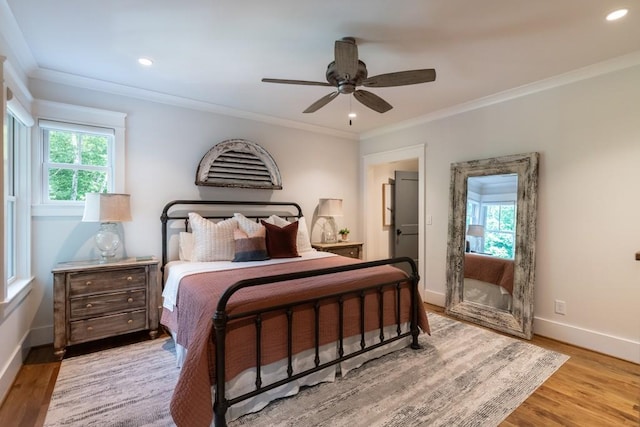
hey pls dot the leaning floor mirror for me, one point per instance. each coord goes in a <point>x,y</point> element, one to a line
<point>491,243</point>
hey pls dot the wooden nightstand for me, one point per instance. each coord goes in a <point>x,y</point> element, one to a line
<point>93,300</point>
<point>348,249</point>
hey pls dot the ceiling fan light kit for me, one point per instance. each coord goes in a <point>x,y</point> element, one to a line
<point>346,73</point>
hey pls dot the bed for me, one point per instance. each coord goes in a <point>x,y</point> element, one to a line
<point>488,280</point>
<point>276,320</point>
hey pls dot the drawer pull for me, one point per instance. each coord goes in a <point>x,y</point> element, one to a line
<point>89,328</point>
<point>129,299</point>
<point>88,283</point>
<point>129,278</point>
<point>89,305</point>
<point>130,321</point>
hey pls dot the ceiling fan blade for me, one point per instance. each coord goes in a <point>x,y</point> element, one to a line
<point>296,82</point>
<point>346,54</point>
<point>372,101</point>
<point>401,78</point>
<point>321,102</point>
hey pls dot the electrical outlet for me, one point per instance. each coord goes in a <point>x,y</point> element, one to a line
<point>561,307</point>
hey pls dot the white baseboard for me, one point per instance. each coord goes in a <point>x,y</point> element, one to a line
<point>621,348</point>
<point>435,298</point>
<point>12,367</point>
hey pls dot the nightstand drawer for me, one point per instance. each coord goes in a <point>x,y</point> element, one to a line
<point>100,304</point>
<point>100,327</point>
<point>352,252</point>
<point>106,281</point>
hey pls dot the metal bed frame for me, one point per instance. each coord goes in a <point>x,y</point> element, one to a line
<point>221,318</point>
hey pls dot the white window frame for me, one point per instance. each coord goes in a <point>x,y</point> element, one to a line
<point>13,128</point>
<point>78,118</point>
<point>48,125</point>
<point>16,278</point>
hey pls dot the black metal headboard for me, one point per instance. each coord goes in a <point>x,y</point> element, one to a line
<point>178,210</point>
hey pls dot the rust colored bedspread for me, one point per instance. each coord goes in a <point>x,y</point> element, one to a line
<point>498,271</point>
<point>198,295</point>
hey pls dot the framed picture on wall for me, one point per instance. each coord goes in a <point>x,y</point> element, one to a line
<point>387,204</point>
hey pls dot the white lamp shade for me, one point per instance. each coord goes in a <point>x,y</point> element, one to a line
<point>106,207</point>
<point>330,207</point>
<point>475,230</point>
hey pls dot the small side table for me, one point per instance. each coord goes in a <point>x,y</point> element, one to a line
<point>348,249</point>
<point>94,300</point>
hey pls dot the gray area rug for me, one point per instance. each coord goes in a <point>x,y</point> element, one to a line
<point>463,376</point>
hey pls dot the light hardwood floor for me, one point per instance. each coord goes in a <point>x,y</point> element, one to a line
<point>590,389</point>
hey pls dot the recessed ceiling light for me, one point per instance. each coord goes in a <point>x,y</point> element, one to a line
<point>617,14</point>
<point>353,115</point>
<point>145,61</point>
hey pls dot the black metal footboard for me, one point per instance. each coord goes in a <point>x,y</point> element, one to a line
<point>222,318</point>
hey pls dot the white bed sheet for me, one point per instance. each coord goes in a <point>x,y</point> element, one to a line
<point>175,270</point>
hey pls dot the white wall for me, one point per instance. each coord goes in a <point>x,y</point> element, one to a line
<point>588,134</point>
<point>164,146</point>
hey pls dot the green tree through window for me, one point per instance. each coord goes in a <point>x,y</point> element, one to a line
<point>500,220</point>
<point>77,163</point>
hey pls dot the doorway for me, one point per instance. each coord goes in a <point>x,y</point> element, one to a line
<point>378,169</point>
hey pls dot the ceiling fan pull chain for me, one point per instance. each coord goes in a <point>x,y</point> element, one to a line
<point>350,110</point>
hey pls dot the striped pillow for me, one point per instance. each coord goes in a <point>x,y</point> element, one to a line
<point>247,225</point>
<point>212,241</point>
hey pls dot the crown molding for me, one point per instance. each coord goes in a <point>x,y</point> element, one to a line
<point>148,95</point>
<point>590,71</point>
<point>11,32</point>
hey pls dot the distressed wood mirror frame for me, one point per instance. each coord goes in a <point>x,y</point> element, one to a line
<point>519,320</point>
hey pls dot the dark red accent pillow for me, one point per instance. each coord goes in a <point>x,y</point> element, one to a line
<point>281,241</point>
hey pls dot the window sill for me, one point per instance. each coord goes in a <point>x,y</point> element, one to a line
<point>16,293</point>
<point>57,210</point>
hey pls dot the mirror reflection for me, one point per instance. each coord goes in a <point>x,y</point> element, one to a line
<point>491,245</point>
<point>490,240</point>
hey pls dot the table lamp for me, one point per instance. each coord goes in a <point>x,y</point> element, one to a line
<point>329,208</point>
<point>108,209</point>
<point>477,231</point>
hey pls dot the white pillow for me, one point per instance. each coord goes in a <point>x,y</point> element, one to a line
<point>302,239</point>
<point>212,241</point>
<point>247,225</point>
<point>185,246</point>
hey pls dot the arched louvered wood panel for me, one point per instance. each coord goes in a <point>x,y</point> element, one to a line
<point>238,163</point>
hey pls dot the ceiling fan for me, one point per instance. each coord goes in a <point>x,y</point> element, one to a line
<point>347,72</point>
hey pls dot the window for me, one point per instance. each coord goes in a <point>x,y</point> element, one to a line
<point>17,220</point>
<point>473,212</point>
<point>13,128</point>
<point>77,160</point>
<point>499,219</point>
<point>79,150</point>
